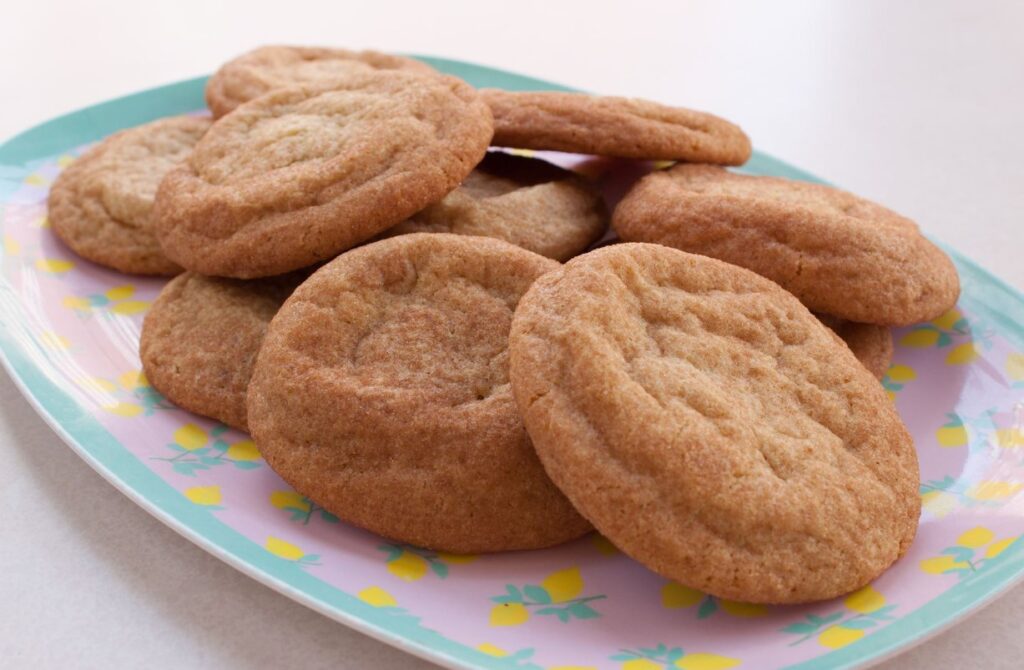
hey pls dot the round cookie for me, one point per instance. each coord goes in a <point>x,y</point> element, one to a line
<point>201,336</point>
<point>258,71</point>
<point>382,393</point>
<point>525,201</point>
<point>871,344</point>
<point>611,126</point>
<point>708,425</point>
<point>302,173</point>
<point>101,205</point>
<point>840,254</point>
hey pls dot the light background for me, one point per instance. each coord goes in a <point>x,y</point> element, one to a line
<point>915,104</point>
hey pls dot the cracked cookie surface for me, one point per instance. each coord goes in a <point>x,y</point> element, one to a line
<point>527,202</point>
<point>261,70</point>
<point>707,424</point>
<point>382,393</point>
<point>101,205</point>
<point>201,336</point>
<point>303,173</point>
<point>612,126</point>
<point>839,253</point>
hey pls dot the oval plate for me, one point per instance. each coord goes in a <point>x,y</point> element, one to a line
<point>70,343</point>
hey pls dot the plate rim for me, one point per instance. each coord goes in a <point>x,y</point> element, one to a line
<point>111,460</point>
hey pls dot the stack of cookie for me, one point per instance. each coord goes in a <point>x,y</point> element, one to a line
<point>381,301</point>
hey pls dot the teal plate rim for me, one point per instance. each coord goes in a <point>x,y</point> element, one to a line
<point>113,462</point>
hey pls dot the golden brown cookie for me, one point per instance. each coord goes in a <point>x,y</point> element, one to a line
<point>871,344</point>
<point>840,254</point>
<point>302,173</point>
<point>525,201</point>
<point>707,424</point>
<point>610,126</point>
<point>255,72</point>
<point>101,205</point>
<point>201,336</point>
<point>382,393</point>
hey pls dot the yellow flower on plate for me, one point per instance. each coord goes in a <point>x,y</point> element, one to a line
<point>976,537</point>
<point>456,559</point>
<point>938,503</point>
<point>1015,366</point>
<point>835,637</point>
<point>53,265</point>
<point>204,495</point>
<point>994,490</point>
<point>865,600</point>
<point>941,564</point>
<point>120,292</point>
<point>283,499</point>
<point>699,661</point>
<point>953,434</point>
<point>641,664</point>
<point>97,384</point>
<point>190,436</point>
<point>243,451</point>
<point>52,340</point>
<point>901,374</point>
<point>962,354</point>
<point>133,379</point>
<point>948,320</point>
<point>129,307</point>
<point>125,409</point>
<point>563,585</point>
<point>509,614</point>
<point>75,302</point>
<point>491,650</point>
<point>1010,438</point>
<point>920,339</point>
<point>999,547</point>
<point>283,549</point>
<point>378,597</point>
<point>675,596</point>
<point>408,567</point>
<point>743,610</point>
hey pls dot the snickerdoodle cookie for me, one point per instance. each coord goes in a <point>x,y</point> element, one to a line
<point>611,126</point>
<point>839,253</point>
<point>526,201</point>
<point>707,424</point>
<point>101,205</point>
<point>255,72</point>
<point>201,336</point>
<point>871,344</point>
<point>382,393</point>
<point>302,173</point>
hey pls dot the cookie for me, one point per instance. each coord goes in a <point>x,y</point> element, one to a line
<point>610,126</point>
<point>302,173</point>
<point>525,201</point>
<point>871,344</point>
<point>710,427</point>
<point>382,393</point>
<point>840,254</point>
<point>201,336</point>
<point>101,205</point>
<point>258,71</point>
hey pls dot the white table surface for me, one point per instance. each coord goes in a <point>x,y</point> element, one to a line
<point>915,104</point>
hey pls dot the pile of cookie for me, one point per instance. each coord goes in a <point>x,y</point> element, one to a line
<point>379,297</point>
